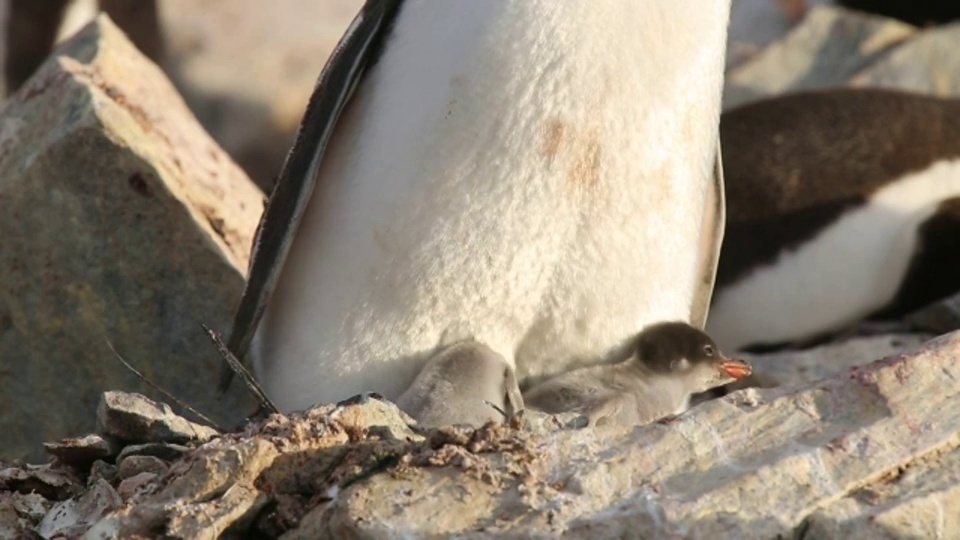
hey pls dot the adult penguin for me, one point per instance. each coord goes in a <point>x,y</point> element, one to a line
<point>844,204</point>
<point>540,177</point>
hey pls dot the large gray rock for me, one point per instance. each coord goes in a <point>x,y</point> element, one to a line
<point>753,465</point>
<point>804,366</point>
<point>829,47</point>
<point>927,64</point>
<point>921,500</point>
<point>122,220</point>
<point>754,24</point>
<point>134,418</point>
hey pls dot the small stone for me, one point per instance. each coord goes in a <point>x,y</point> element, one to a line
<point>134,465</point>
<point>164,451</point>
<point>54,483</point>
<point>82,451</point>
<point>101,470</point>
<point>20,513</point>
<point>73,517</point>
<point>939,317</point>
<point>369,411</point>
<point>137,418</point>
<point>130,486</point>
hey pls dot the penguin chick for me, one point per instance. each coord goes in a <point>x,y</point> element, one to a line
<point>669,362</point>
<point>465,383</point>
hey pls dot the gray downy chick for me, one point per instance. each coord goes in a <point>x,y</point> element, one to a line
<point>668,362</point>
<point>466,382</point>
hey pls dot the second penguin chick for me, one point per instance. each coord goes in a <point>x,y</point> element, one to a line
<point>466,383</point>
<point>669,362</point>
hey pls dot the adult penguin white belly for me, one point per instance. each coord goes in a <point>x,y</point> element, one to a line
<point>537,175</point>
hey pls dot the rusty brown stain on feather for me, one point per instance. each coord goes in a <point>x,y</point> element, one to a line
<point>585,171</point>
<point>553,139</point>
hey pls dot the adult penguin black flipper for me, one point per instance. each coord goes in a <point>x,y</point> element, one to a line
<point>712,229</point>
<point>353,55</point>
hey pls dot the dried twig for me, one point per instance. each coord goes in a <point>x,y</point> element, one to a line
<point>237,367</point>
<point>166,394</point>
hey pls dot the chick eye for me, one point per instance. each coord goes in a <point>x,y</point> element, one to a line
<point>708,350</point>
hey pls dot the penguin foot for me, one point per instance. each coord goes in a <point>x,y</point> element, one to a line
<point>464,383</point>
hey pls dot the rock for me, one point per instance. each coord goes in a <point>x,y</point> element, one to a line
<point>123,221</point>
<point>133,485</point>
<point>870,452</point>
<point>928,64</point>
<point>226,481</point>
<point>138,419</point>
<point>373,413</point>
<point>753,465</point>
<point>798,367</point>
<point>164,451</point>
<point>247,82</point>
<point>82,451</point>
<point>938,318</point>
<point>829,47</point>
<point>102,470</point>
<point>134,465</point>
<point>73,517</point>
<point>920,501</point>
<point>20,513</point>
<point>49,481</point>
<point>754,24</point>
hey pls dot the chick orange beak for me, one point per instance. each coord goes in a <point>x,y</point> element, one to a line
<point>737,369</point>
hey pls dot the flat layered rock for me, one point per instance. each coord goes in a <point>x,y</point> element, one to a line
<point>122,220</point>
<point>871,452</point>
<point>73,517</point>
<point>82,451</point>
<point>753,465</point>
<point>805,366</point>
<point>134,418</point>
<point>920,501</point>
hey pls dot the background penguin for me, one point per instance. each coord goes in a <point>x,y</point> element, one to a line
<point>516,172</point>
<point>668,363</point>
<point>843,204</point>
